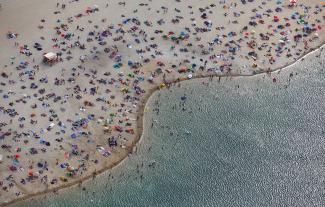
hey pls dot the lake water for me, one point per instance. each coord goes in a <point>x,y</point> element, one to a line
<point>244,141</point>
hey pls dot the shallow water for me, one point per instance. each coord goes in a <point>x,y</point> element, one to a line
<point>262,144</point>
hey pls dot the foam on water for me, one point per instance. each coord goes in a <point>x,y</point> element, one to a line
<point>241,142</point>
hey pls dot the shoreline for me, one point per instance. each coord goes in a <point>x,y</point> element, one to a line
<point>140,118</point>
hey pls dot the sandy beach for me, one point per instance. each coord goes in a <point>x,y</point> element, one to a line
<point>65,122</point>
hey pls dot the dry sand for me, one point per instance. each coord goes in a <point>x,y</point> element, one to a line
<point>166,41</point>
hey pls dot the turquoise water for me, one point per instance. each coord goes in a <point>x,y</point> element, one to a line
<point>238,142</point>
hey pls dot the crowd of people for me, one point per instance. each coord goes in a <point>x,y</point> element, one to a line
<point>64,121</point>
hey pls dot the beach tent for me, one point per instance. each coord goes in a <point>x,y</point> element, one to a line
<point>50,57</point>
<point>293,2</point>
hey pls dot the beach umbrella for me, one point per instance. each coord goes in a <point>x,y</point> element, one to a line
<point>73,136</point>
<point>12,168</point>
<point>40,165</point>
<point>70,168</point>
<point>130,63</point>
<point>182,70</point>
<point>69,174</point>
<point>130,131</point>
<point>118,128</point>
<point>63,179</point>
<point>131,75</point>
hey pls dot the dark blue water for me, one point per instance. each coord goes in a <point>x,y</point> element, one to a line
<point>241,142</point>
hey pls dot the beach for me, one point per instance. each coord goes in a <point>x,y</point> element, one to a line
<point>212,150</point>
<point>65,122</point>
